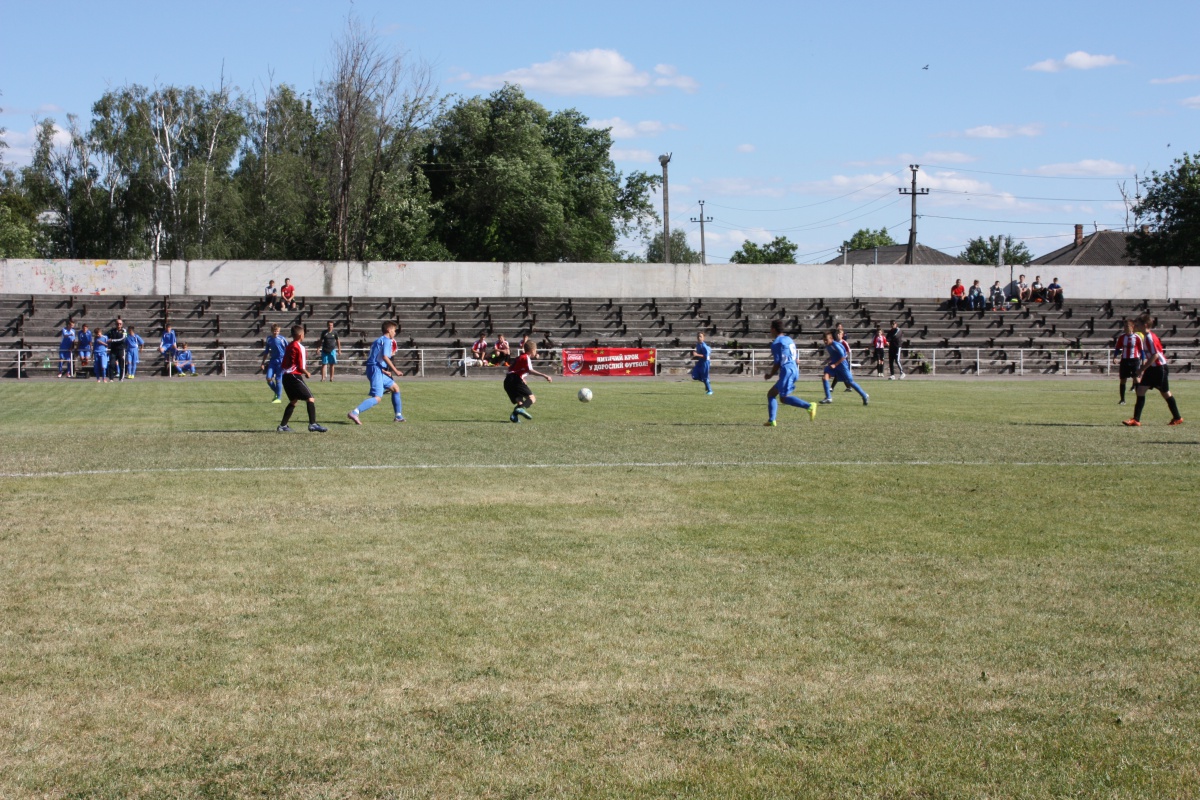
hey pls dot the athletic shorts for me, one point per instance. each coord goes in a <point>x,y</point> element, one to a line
<point>380,383</point>
<point>1156,378</point>
<point>516,388</point>
<point>64,355</point>
<point>787,381</point>
<point>329,359</point>
<point>274,369</point>
<point>1130,367</point>
<point>700,370</point>
<point>295,387</point>
<point>880,354</point>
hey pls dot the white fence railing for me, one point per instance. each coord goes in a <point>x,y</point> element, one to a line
<point>445,362</point>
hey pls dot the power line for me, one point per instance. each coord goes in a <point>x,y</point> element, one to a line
<point>1014,221</point>
<point>1020,197</point>
<point>818,203</point>
<point>1019,175</point>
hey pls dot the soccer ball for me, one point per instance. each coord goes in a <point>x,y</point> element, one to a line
<point>585,395</point>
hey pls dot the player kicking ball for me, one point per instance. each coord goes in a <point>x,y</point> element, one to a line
<point>515,385</point>
<point>294,372</point>
<point>381,373</point>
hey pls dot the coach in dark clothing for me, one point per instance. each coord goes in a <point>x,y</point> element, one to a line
<point>895,340</point>
<point>116,347</point>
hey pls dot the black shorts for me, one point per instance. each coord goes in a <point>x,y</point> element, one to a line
<point>880,355</point>
<point>1156,378</point>
<point>296,388</point>
<point>1130,367</point>
<point>517,389</point>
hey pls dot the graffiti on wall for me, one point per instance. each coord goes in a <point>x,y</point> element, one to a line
<point>93,277</point>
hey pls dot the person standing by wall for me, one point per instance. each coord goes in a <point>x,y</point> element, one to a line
<point>895,343</point>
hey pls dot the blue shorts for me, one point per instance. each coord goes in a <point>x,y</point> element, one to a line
<point>379,382</point>
<point>64,355</point>
<point>842,373</point>
<point>787,381</point>
<point>274,370</point>
<point>328,359</point>
<point>700,371</point>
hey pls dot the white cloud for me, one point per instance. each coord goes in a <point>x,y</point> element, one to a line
<point>622,129</point>
<point>746,148</point>
<point>1003,131</point>
<point>22,143</point>
<point>1087,168</point>
<point>596,72</point>
<point>637,156</point>
<point>1176,79</point>
<point>1191,102</point>
<point>1077,60</point>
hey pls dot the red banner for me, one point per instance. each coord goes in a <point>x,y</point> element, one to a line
<point>608,360</point>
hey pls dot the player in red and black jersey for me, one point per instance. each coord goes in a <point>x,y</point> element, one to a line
<point>515,385</point>
<point>295,370</point>
<point>1153,373</point>
<point>1128,348</point>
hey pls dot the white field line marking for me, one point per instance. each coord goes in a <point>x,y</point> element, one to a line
<point>588,465</point>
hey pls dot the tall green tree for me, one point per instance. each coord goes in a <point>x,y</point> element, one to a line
<point>987,251</point>
<point>867,239</point>
<point>1171,211</point>
<point>681,251</point>
<point>777,251</point>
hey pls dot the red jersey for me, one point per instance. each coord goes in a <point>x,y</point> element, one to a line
<point>287,291</point>
<point>958,290</point>
<point>294,359</point>
<point>1129,345</point>
<point>880,341</point>
<point>1154,350</point>
<point>521,366</point>
<point>480,348</point>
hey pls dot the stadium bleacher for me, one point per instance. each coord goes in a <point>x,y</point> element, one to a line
<point>1037,337</point>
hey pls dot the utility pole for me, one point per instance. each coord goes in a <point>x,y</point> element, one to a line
<point>664,160</point>
<point>912,231</point>
<point>703,219</point>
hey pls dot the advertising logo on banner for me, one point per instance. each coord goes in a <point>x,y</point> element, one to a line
<point>608,360</point>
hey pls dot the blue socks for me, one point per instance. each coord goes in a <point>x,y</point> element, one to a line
<point>365,405</point>
<point>396,403</point>
<point>772,408</point>
<point>795,401</point>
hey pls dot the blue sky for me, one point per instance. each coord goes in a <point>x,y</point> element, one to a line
<point>786,118</point>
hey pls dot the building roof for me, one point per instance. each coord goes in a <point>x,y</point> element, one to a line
<point>895,253</point>
<point>1104,248</point>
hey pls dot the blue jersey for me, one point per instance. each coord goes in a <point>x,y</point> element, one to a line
<point>133,343</point>
<point>85,340</point>
<point>100,344</point>
<point>183,357</point>
<point>276,347</point>
<point>381,349</point>
<point>704,350</point>
<point>167,342</point>
<point>68,339</point>
<point>837,352</point>
<point>783,352</point>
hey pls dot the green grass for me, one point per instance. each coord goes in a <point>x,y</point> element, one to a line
<point>969,589</point>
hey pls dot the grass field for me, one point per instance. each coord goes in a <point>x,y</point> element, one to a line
<point>968,589</point>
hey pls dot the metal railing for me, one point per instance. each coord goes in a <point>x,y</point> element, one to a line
<point>32,362</point>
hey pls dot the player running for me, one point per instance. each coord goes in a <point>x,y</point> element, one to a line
<point>783,353</point>
<point>837,368</point>
<point>380,373</point>
<point>272,364</point>
<point>516,387</point>
<point>703,356</point>
<point>1128,348</point>
<point>294,371</point>
<point>1153,374</point>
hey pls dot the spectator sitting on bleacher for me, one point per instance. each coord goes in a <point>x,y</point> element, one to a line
<point>85,346</point>
<point>479,350</point>
<point>996,297</point>
<point>975,298</point>
<point>183,360</point>
<point>287,294</point>
<point>501,353</point>
<point>1024,293</point>
<point>271,297</point>
<point>958,294</point>
<point>1037,292</point>
<point>1054,293</point>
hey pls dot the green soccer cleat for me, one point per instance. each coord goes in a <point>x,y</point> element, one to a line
<point>276,400</point>
<point>812,413</point>
<point>769,423</point>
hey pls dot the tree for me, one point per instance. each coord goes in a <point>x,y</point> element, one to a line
<point>1171,212</point>
<point>987,251</point>
<point>867,239</point>
<point>778,251</point>
<point>681,252</point>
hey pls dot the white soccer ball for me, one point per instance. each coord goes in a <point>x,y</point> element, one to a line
<point>585,395</point>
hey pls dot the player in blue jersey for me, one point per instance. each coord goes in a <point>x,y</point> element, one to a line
<point>133,350</point>
<point>184,364</point>
<point>272,356</point>
<point>703,356</point>
<point>783,354</point>
<point>66,350</point>
<point>166,346</point>
<point>100,356</point>
<point>837,368</point>
<point>380,373</point>
<point>85,347</point>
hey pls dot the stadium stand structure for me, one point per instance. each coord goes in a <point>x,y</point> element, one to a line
<point>964,341</point>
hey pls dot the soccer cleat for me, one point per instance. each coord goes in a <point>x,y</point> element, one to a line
<point>891,377</point>
<point>865,399</point>
<point>1131,423</point>
<point>1121,403</point>
<point>848,389</point>
<point>812,413</point>
<point>399,418</point>
<point>283,429</point>
<point>1176,421</point>
<point>902,376</point>
<point>826,401</point>
<point>524,413</point>
<point>353,417</point>
<point>315,428</point>
<point>709,392</point>
<point>513,417</point>
<point>769,423</point>
<point>276,400</point>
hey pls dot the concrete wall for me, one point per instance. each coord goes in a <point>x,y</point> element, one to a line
<point>425,279</point>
